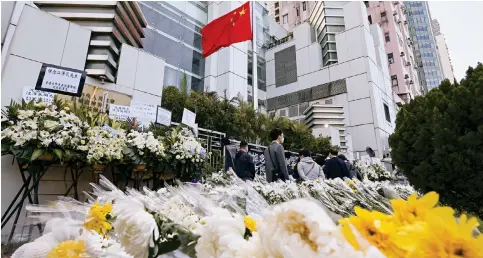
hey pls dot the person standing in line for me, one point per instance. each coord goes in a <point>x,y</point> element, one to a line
<point>244,165</point>
<point>275,165</point>
<point>307,168</point>
<point>334,167</point>
<point>353,171</point>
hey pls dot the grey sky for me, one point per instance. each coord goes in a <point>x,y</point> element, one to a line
<point>462,25</point>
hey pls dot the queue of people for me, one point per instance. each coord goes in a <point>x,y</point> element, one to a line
<point>335,166</point>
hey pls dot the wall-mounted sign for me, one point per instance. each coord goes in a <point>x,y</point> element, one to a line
<point>188,118</point>
<point>163,116</point>
<point>62,80</point>
<point>118,112</point>
<point>111,130</point>
<point>104,101</point>
<point>144,113</point>
<point>29,93</point>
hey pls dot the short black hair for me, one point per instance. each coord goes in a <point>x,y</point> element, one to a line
<point>306,153</point>
<point>342,157</point>
<point>275,133</point>
<point>243,144</point>
<point>333,151</point>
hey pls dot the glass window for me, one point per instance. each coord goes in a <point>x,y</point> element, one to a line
<point>390,58</point>
<point>394,80</point>
<point>285,19</point>
<point>370,19</point>
<point>383,14</point>
<point>304,6</point>
<point>297,11</point>
<point>386,37</point>
<point>386,112</point>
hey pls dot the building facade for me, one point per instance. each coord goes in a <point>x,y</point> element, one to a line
<point>424,44</point>
<point>358,85</point>
<point>443,51</point>
<point>391,17</point>
<point>290,14</point>
<point>327,19</point>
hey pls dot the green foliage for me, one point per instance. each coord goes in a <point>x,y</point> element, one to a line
<point>438,142</point>
<point>242,122</point>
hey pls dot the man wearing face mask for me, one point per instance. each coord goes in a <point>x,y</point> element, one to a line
<point>275,166</point>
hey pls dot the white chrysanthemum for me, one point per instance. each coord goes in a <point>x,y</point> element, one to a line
<point>134,227</point>
<point>100,247</point>
<point>301,228</point>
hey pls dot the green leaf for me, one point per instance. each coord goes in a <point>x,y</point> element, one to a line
<point>58,153</point>
<point>36,154</point>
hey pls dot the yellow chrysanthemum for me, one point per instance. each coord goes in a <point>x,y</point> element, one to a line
<point>373,226</point>
<point>414,209</point>
<point>68,249</point>
<point>250,223</point>
<point>443,237</point>
<point>97,219</point>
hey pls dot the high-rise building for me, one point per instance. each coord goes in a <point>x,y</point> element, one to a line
<point>327,18</point>
<point>176,37</point>
<point>424,44</point>
<point>443,52</point>
<point>391,17</point>
<point>353,96</point>
<point>290,14</point>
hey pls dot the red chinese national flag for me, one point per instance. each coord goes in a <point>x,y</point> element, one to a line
<point>230,28</point>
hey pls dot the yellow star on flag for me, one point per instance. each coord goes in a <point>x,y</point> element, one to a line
<point>242,11</point>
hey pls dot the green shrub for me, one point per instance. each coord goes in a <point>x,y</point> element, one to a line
<point>438,142</point>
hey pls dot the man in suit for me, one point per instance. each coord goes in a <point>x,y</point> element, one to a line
<point>335,167</point>
<point>275,166</point>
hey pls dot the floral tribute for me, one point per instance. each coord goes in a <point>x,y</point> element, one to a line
<point>234,220</point>
<point>60,132</point>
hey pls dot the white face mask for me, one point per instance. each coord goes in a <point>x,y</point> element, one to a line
<point>283,139</point>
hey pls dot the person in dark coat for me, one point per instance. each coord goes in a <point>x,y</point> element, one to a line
<point>353,171</point>
<point>334,167</point>
<point>275,165</point>
<point>244,165</point>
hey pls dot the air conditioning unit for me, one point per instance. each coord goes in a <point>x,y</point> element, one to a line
<point>402,54</point>
<point>406,76</point>
<point>408,63</point>
<point>405,22</point>
<point>411,82</point>
<point>398,21</point>
<point>394,13</point>
<point>396,2</point>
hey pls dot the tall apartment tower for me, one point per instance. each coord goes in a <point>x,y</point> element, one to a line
<point>424,44</point>
<point>290,14</point>
<point>392,18</point>
<point>443,52</point>
<point>327,18</point>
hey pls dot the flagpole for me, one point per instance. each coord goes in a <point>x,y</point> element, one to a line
<point>255,58</point>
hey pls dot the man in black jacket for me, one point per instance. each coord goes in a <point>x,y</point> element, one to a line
<point>244,166</point>
<point>335,167</point>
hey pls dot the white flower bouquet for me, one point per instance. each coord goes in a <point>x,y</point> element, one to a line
<point>144,148</point>
<point>103,147</point>
<point>40,131</point>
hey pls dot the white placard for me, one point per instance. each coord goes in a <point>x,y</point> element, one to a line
<point>30,93</point>
<point>61,80</point>
<point>163,116</point>
<point>188,118</point>
<point>195,130</point>
<point>118,112</point>
<point>144,113</point>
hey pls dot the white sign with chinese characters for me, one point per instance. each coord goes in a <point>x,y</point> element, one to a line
<point>118,112</point>
<point>29,93</point>
<point>144,113</point>
<point>61,80</point>
<point>163,116</point>
<point>188,118</point>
